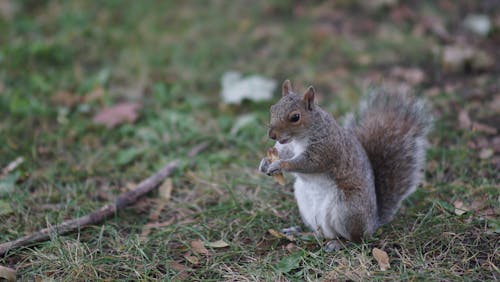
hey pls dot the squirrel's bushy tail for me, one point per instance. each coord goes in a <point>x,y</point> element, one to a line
<point>392,128</point>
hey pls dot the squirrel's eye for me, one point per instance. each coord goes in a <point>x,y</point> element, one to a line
<point>294,117</point>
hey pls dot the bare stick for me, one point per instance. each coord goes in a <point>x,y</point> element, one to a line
<point>97,216</point>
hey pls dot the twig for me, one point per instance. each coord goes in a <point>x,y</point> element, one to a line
<point>97,216</point>
<point>197,149</point>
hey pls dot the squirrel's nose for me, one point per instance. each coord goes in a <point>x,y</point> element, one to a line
<point>272,134</point>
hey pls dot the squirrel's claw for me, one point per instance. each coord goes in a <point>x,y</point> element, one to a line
<point>274,168</point>
<point>264,165</point>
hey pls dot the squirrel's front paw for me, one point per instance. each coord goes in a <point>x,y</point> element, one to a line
<point>264,165</point>
<point>274,168</point>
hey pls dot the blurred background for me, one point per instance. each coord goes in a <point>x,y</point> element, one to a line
<point>97,95</point>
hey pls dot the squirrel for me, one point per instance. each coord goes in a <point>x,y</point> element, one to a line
<point>349,179</point>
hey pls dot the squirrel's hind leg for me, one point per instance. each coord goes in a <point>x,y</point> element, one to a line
<point>291,231</point>
<point>334,245</point>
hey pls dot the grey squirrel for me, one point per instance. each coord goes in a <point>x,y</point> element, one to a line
<point>349,179</point>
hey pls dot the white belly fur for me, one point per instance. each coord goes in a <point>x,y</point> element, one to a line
<point>316,195</point>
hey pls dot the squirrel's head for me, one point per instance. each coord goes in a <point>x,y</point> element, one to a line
<point>292,115</point>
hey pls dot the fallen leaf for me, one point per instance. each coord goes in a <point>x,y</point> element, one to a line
<point>460,207</point>
<point>217,244</point>
<point>291,247</point>
<point>235,88</point>
<point>165,190</point>
<point>478,24</point>
<point>155,214</point>
<point>65,99</point>
<point>178,266</point>
<point>11,166</point>
<point>7,273</point>
<point>146,229</point>
<point>486,153</point>
<point>280,235</point>
<point>198,248</point>
<point>192,259</point>
<point>117,114</point>
<point>276,234</point>
<point>382,258</point>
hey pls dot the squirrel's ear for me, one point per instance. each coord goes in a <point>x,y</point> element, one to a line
<point>286,88</point>
<point>309,97</point>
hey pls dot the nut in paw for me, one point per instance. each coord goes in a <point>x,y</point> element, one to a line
<point>274,168</point>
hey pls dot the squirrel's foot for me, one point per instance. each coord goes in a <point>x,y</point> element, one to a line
<point>264,165</point>
<point>291,231</point>
<point>333,246</point>
<point>274,168</point>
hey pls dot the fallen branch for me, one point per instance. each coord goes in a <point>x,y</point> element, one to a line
<point>97,216</point>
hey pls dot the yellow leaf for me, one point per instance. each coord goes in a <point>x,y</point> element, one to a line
<point>198,248</point>
<point>460,207</point>
<point>165,190</point>
<point>382,258</point>
<point>192,259</point>
<point>7,273</point>
<point>217,244</point>
<point>276,234</point>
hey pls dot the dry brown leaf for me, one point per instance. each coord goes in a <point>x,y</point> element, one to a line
<point>291,247</point>
<point>272,154</point>
<point>198,248</point>
<point>486,153</point>
<point>165,190</point>
<point>155,214</point>
<point>217,244</point>
<point>280,235</point>
<point>178,266</point>
<point>117,114</point>
<point>66,99</point>
<point>464,119</point>
<point>382,258</point>
<point>460,207</point>
<point>7,273</point>
<point>192,259</point>
<point>146,229</point>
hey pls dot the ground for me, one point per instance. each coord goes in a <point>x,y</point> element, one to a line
<point>63,62</point>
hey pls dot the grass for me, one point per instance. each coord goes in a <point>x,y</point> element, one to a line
<point>170,57</point>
